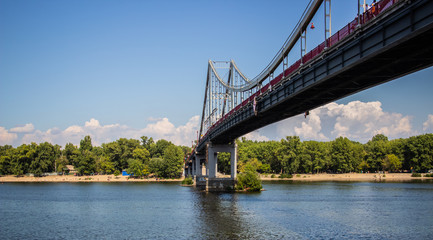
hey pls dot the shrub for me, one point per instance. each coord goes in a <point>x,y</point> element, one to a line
<point>249,181</point>
<point>188,181</point>
<point>273,176</point>
<point>429,175</point>
<point>286,175</point>
<point>416,175</point>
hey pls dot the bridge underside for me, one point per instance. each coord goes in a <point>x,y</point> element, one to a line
<point>394,45</point>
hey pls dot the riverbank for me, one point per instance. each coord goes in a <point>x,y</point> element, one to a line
<point>358,177</point>
<point>71,178</point>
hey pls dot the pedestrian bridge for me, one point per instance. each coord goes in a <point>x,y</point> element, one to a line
<point>390,39</point>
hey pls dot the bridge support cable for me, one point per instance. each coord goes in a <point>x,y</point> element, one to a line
<point>223,94</point>
<point>327,10</point>
<point>291,40</point>
<point>303,46</point>
<point>285,66</point>
<point>203,114</point>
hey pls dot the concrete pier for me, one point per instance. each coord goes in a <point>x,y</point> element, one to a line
<point>204,169</point>
<point>213,183</point>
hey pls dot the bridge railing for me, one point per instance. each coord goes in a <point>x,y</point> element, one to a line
<point>344,32</point>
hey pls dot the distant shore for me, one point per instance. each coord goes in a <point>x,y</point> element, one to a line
<point>356,177</point>
<point>72,178</point>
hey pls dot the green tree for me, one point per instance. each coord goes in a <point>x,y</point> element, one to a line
<point>105,165</point>
<point>346,155</point>
<point>418,152</point>
<point>86,144</point>
<point>159,149</point>
<point>377,149</point>
<point>156,166</point>
<point>289,152</point>
<point>249,180</point>
<point>23,157</point>
<point>265,168</point>
<point>6,156</point>
<point>252,165</point>
<point>319,153</point>
<point>391,163</point>
<point>45,156</point>
<point>363,166</point>
<point>120,151</point>
<point>86,163</point>
<point>136,168</point>
<point>71,153</point>
<point>173,161</point>
<point>61,163</point>
<point>141,154</point>
<point>224,162</point>
<point>148,143</point>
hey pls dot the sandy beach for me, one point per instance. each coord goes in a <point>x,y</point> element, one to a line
<point>360,177</point>
<point>71,178</point>
<point>356,177</point>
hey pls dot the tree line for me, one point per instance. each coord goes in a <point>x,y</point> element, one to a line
<point>161,158</point>
<point>164,159</point>
<point>291,155</point>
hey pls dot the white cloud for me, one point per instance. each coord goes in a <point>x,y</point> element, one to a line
<point>93,123</point>
<point>255,136</point>
<point>310,129</point>
<point>356,120</point>
<point>164,129</point>
<point>23,129</point>
<point>7,138</point>
<point>161,129</point>
<point>428,125</point>
<point>361,121</point>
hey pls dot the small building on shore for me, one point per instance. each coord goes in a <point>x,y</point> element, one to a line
<point>69,169</point>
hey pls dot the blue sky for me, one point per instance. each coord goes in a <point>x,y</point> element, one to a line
<point>116,69</point>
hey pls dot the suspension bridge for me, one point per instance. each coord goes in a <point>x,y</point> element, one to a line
<point>388,40</point>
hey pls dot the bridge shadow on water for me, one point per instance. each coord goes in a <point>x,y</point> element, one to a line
<point>223,216</point>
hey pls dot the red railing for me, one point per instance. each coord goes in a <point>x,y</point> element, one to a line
<point>334,39</point>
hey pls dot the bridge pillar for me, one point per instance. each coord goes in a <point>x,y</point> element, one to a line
<point>188,170</point>
<point>198,168</point>
<point>234,161</point>
<point>194,167</point>
<point>212,161</point>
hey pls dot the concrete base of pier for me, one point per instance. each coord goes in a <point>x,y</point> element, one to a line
<point>214,184</point>
<point>220,185</point>
<point>200,183</point>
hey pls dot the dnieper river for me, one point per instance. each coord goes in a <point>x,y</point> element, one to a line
<point>286,210</point>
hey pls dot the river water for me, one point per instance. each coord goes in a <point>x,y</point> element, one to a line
<point>286,210</point>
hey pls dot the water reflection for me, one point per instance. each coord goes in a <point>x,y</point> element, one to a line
<point>235,216</point>
<point>218,216</point>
